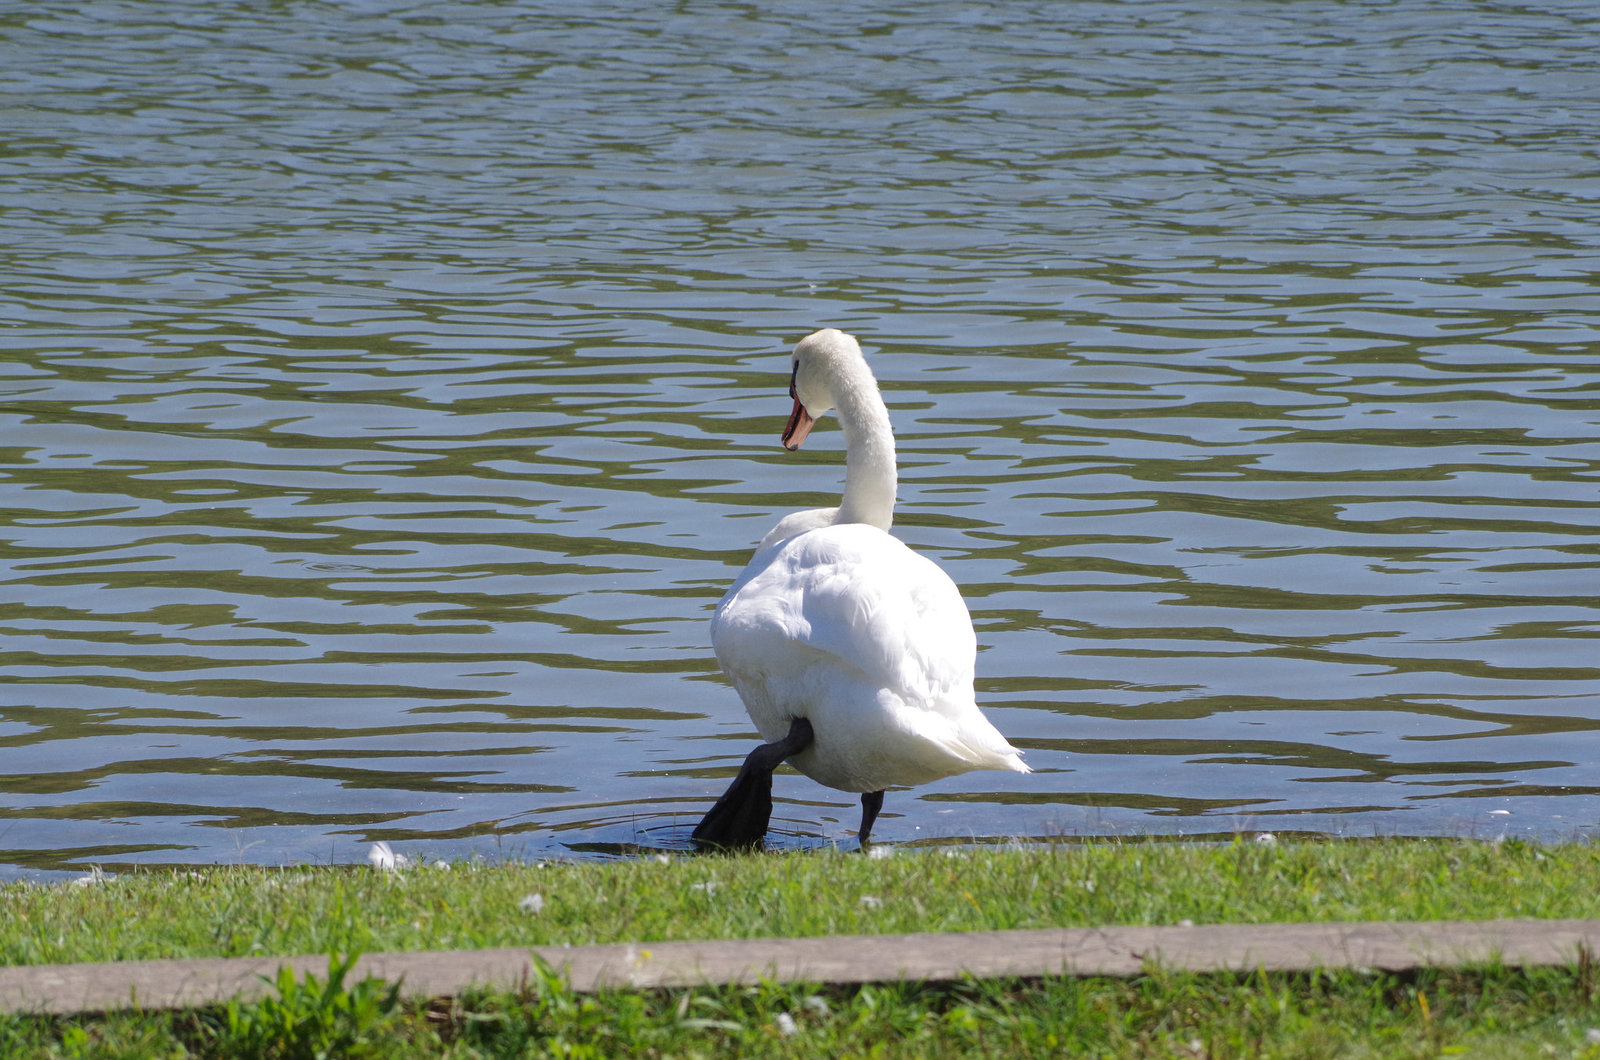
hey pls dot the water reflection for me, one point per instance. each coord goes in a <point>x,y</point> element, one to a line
<point>389,394</point>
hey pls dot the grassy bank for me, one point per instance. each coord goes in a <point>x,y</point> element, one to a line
<point>228,912</point>
<point>253,911</point>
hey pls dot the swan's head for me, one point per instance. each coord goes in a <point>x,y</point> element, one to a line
<point>822,360</point>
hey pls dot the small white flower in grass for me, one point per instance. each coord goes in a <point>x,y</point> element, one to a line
<point>817,1005</point>
<point>871,901</point>
<point>532,903</point>
<point>664,859</point>
<point>786,1025</point>
<point>710,887</point>
<point>1186,922</point>
<point>878,853</point>
<point>383,859</point>
<point>1266,839</point>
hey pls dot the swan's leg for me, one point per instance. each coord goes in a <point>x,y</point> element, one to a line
<point>740,817</point>
<point>871,803</point>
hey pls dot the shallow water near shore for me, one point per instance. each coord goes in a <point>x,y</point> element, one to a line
<point>388,393</point>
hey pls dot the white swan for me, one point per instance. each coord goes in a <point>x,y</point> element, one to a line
<point>853,654</point>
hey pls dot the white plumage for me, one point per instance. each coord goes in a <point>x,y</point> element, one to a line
<point>837,622</point>
<point>847,627</point>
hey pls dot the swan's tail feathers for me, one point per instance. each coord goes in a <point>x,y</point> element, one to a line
<point>985,748</point>
<point>1010,759</point>
<point>950,745</point>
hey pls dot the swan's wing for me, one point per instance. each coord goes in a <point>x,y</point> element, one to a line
<point>861,599</point>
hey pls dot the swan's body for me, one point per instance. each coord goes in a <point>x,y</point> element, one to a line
<point>853,655</point>
<point>847,627</point>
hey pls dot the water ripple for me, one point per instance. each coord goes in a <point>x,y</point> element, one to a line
<point>390,391</point>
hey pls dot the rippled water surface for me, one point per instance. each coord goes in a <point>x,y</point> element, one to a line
<point>388,392</point>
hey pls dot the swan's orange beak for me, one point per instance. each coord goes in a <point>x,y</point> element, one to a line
<point>800,421</point>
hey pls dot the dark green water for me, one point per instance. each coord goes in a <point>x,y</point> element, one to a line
<point>388,391</point>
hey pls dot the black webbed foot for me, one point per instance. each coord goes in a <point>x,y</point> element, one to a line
<point>740,818</point>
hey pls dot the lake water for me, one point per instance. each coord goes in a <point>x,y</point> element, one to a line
<point>388,392</point>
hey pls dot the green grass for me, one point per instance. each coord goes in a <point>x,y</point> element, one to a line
<point>1488,1011</point>
<point>253,911</point>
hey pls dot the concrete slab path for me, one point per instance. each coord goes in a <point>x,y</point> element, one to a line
<point>1116,951</point>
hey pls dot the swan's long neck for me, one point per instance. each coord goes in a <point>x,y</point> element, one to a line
<point>869,481</point>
